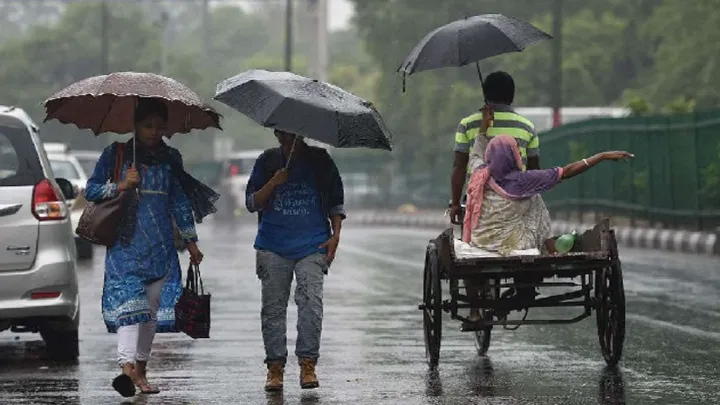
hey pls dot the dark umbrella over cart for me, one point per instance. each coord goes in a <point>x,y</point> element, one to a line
<point>470,40</point>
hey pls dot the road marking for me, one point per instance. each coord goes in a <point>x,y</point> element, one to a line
<point>680,328</point>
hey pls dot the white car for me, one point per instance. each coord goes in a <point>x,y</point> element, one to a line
<point>239,165</point>
<point>38,282</point>
<point>67,166</point>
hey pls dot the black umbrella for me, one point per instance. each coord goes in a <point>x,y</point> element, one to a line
<point>305,107</point>
<point>470,40</point>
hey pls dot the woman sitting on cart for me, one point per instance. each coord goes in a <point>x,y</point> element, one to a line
<point>504,210</point>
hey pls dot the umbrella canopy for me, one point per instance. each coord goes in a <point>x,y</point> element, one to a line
<point>107,103</point>
<point>469,40</point>
<point>305,107</point>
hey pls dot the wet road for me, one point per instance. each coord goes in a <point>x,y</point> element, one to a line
<point>372,348</point>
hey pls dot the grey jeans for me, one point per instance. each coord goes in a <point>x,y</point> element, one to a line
<point>276,274</point>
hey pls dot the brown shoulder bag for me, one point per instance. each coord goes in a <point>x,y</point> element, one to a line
<point>99,221</point>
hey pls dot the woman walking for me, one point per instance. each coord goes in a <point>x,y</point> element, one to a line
<point>142,271</point>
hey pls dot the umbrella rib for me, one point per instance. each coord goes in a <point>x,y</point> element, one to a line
<point>102,121</point>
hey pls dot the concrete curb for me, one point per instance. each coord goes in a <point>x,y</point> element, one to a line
<point>659,239</point>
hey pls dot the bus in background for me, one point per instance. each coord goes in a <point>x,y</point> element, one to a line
<point>542,117</point>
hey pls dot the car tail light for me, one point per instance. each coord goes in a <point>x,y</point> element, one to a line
<point>234,170</point>
<point>44,295</point>
<point>47,204</point>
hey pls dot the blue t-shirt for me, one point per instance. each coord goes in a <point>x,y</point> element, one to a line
<point>293,225</point>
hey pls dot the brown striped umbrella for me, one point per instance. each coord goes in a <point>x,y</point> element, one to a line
<point>107,103</point>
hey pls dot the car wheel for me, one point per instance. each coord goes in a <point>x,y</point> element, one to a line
<point>84,249</point>
<point>61,344</point>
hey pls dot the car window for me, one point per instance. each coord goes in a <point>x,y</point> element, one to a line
<point>64,169</point>
<point>88,165</point>
<point>19,162</point>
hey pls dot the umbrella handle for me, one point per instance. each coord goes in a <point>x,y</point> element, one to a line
<point>482,83</point>
<point>137,102</point>
<point>292,149</point>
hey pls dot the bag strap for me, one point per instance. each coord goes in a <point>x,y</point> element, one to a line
<point>119,155</point>
<point>194,279</point>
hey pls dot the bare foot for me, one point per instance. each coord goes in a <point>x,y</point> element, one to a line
<point>140,379</point>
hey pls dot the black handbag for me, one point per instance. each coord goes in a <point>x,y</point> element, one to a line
<point>192,311</point>
<point>99,221</point>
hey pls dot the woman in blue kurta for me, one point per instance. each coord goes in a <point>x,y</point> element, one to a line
<point>143,279</point>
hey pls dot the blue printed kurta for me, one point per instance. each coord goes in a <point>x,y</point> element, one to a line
<point>151,254</point>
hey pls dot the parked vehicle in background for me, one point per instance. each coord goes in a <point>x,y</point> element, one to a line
<point>38,283</point>
<point>236,173</point>
<point>211,173</point>
<point>87,158</point>
<point>66,165</point>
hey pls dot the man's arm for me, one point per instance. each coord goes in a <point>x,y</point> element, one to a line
<point>459,170</point>
<point>533,152</point>
<point>258,189</point>
<point>336,194</point>
<point>336,223</point>
<point>459,174</point>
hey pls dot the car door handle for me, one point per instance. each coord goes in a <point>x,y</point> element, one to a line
<point>6,210</point>
<point>19,250</point>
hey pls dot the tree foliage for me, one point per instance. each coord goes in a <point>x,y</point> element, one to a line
<point>48,45</point>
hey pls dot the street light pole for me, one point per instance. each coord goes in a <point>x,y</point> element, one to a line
<point>288,35</point>
<point>556,84</point>
<point>104,51</point>
<point>165,21</point>
<point>322,40</point>
<point>206,29</point>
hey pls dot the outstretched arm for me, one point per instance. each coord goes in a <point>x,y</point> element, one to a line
<point>575,168</point>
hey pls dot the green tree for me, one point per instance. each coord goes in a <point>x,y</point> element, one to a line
<point>51,57</point>
<point>687,61</point>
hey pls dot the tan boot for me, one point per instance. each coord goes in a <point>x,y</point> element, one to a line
<point>308,379</point>
<point>275,375</point>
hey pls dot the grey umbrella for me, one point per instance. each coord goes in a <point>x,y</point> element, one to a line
<point>305,107</point>
<point>470,40</point>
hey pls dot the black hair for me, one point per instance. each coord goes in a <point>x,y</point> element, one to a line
<point>499,87</point>
<point>150,106</point>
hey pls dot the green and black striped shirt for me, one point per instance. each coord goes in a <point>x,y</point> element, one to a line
<point>507,122</point>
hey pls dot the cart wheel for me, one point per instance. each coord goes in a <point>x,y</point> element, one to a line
<point>432,298</point>
<point>482,337</point>
<point>610,295</point>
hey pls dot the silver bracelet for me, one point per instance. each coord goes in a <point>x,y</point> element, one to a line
<point>586,163</point>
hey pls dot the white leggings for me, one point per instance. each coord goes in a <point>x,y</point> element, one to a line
<point>135,341</point>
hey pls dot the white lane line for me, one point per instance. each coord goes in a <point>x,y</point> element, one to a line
<point>680,328</point>
<point>382,257</point>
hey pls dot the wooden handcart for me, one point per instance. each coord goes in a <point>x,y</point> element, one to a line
<point>590,275</point>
